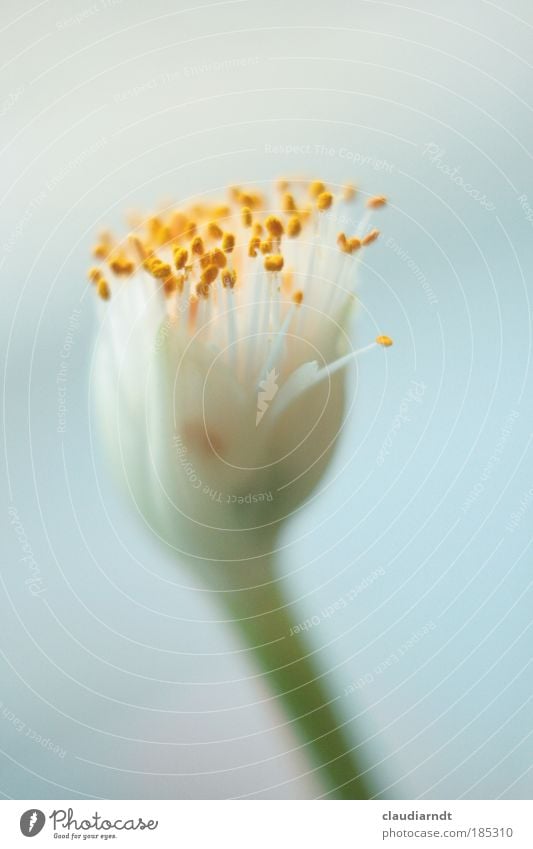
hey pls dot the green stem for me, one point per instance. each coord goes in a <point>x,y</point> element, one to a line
<point>264,620</point>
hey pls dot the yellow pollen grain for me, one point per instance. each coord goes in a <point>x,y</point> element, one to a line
<point>229,278</point>
<point>181,256</point>
<point>257,229</point>
<point>274,226</point>
<point>354,244</point>
<point>202,289</point>
<point>121,265</point>
<point>246,216</point>
<point>101,250</point>
<point>253,246</point>
<point>228,242</point>
<point>221,211</point>
<point>298,297</point>
<point>209,275</point>
<point>214,231</point>
<point>324,201</point>
<point>294,226</point>
<point>370,237</point>
<point>376,202</point>
<point>316,188</point>
<point>218,258</point>
<point>102,287</point>
<point>288,204</point>
<point>384,341</point>
<point>342,242</point>
<point>274,262</point>
<point>266,246</point>
<point>139,246</point>
<point>197,246</point>
<point>94,274</point>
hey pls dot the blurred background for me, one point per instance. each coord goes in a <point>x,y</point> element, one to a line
<point>412,563</point>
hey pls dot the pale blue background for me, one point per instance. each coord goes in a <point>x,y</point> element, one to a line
<point>118,659</point>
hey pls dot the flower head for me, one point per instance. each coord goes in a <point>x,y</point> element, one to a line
<point>221,361</point>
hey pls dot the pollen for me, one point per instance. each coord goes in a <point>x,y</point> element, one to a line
<point>102,287</point>
<point>324,201</point>
<point>218,258</point>
<point>274,226</point>
<point>376,202</point>
<point>349,192</point>
<point>209,275</point>
<point>181,256</point>
<point>288,204</point>
<point>214,231</point>
<point>294,226</point>
<point>274,262</point>
<point>316,188</point>
<point>253,246</point>
<point>197,246</point>
<point>384,341</point>
<point>246,216</point>
<point>228,242</point>
<point>370,237</point>
<point>229,278</point>
<point>298,297</point>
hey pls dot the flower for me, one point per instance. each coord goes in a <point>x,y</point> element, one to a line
<point>221,361</point>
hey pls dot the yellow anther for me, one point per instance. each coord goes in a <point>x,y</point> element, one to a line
<point>298,297</point>
<point>257,229</point>
<point>94,274</point>
<point>354,244</point>
<point>294,226</point>
<point>246,216</point>
<point>316,188</point>
<point>370,237</point>
<point>121,265</point>
<point>342,242</point>
<point>288,204</point>
<point>274,226</point>
<point>282,185</point>
<point>170,285</point>
<point>266,246</point>
<point>197,246</point>
<point>209,274</point>
<point>202,290</point>
<point>324,201</point>
<point>218,258</point>
<point>274,262</point>
<point>221,211</point>
<point>157,268</point>
<point>254,245</point>
<point>214,231</point>
<point>181,256</point>
<point>385,341</point>
<point>102,287</point>
<point>376,202</point>
<point>101,250</point>
<point>349,192</point>
<point>229,278</point>
<point>228,242</point>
